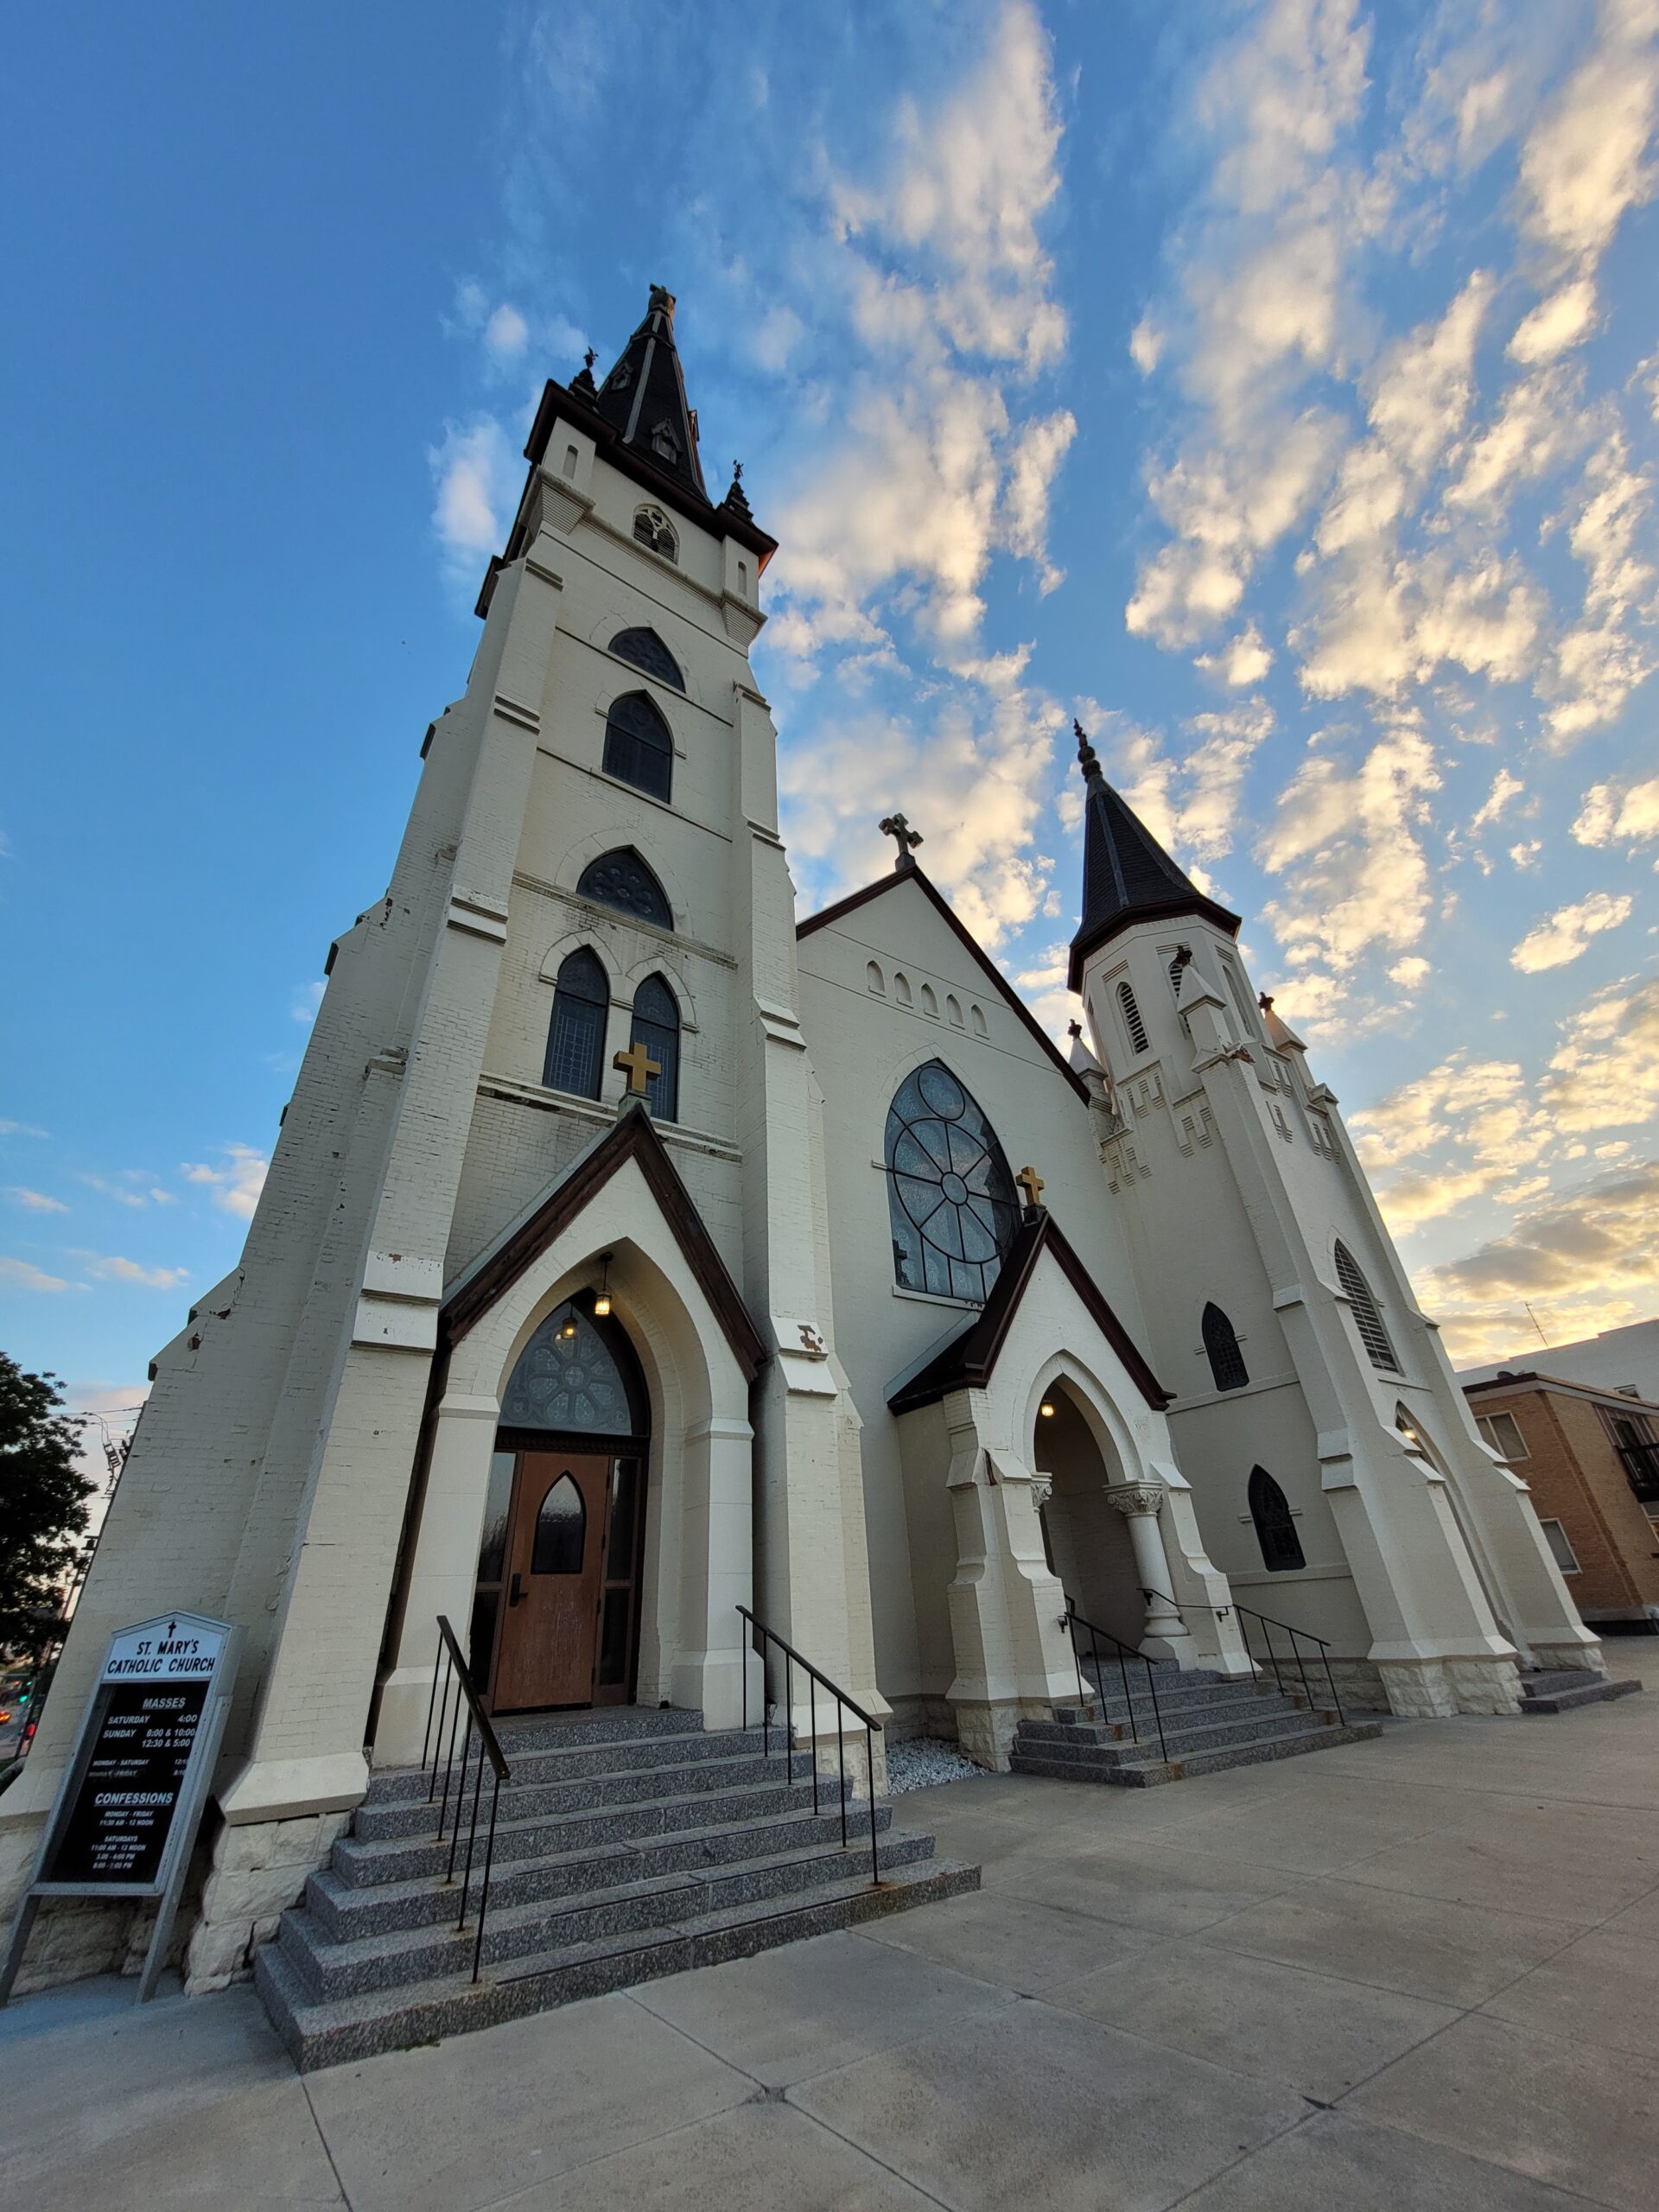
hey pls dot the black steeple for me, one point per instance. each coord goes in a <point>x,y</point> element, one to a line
<point>644,397</point>
<point>1126,875</point>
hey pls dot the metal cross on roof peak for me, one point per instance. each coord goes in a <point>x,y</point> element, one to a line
<point>896,826</point>
<point>1033,1185</point>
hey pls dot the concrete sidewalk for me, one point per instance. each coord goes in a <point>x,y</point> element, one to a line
<point>1421,1973</point>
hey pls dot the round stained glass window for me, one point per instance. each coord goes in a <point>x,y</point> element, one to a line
<point>575,1375</point>
<point>951,1201</point>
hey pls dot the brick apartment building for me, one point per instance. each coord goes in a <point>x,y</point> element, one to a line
<point>1590,1456</point>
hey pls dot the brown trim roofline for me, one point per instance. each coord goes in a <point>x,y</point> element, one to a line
<point>910,873</point>
<point>967,1361</point>
<point>634,1138</point>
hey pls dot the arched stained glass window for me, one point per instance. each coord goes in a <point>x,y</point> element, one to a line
<point>656,1026</point>
<point>620,879</point>
<point>561,1530</point>
<point>1275,1531</point>
<point>577,1375</point>
<point>647,650</point>
<point>1379,1350</point>
<point>638,749</point>
<point>575,1037</point>
<point>1220,1342</point>
<point>950,1199</point>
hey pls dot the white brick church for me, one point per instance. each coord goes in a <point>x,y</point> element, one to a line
<point>633,1249</point>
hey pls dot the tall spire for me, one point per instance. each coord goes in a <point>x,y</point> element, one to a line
<point>644,397</point>
<point>1126,875</point>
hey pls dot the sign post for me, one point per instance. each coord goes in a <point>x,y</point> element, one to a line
<point>131,1798</point>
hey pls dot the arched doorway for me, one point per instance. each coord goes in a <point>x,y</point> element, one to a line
<point>1086,1542</point>
<point>556,1607</point>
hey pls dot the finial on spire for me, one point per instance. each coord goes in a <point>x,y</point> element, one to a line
<point>736,501</point>
<point>1264,999</point>
<point>582,382</point>
<point>1074,1029</point>
<point>1088,760</point>
<point>896,826</point>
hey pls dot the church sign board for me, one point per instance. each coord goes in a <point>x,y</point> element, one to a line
<point>132,1793</point>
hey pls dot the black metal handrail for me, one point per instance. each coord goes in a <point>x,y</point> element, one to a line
<point>453,1668</point>
<point>760,1637</point>
<point>1269,1624</point>
<point>1298,1638</point>
<point>1071,1620</point>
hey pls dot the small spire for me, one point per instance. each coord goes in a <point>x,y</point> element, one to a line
<point>737,500</point>
<point>582,382</point>
<point>1088,759</point>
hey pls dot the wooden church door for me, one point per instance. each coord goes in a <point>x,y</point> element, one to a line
<point>556,1562</point>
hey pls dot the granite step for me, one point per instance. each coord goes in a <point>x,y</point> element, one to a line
<point>1148,1769</point>
<point>1563,1689</point>
<point>1179,1737</point>
<point>379,1821</point>
<point>1179,1747</point>
<point>367,1862</point>
<point>349,1911</point>
<point>328,1969</point>
<point>328,2033</point>
<point>534,1762</point>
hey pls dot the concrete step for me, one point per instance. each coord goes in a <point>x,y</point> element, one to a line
<point>1145,1769</point>
<point>364,1863</point>
<point>536,1763</point>
<point>1564,1689</point>
<point>1179,1745</point>
<point>329,1969</point>
<point>348,1913</point>
<point>614,1725</point>
<point>1211,1729</point>
<point>537,1799</point>
<point>326,2034</point>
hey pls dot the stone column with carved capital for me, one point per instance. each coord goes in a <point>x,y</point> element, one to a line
<point>1139,1504</point>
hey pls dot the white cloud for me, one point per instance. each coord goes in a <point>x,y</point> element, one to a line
<point>19,1129</point>
<point>1345,841</point>
<point>1566,319</point>
<point>1243,660</point>
<point>1605,1074</point>
<point>307,998</point>
<point>1565,934</point>
<point>1598,664</point>
<point>1585,161</point>
<point>506,333</point>
<point>36,1201</point>
<point>237,1184</point>
<point>30,1277</point>
<point>477,477</point>
<point>1505,787</point>
<point>1525,854</point>
<point>1619,812</point>
<point>115,1269</point>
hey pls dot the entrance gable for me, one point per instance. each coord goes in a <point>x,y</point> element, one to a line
<point>967,1361</point>
<point>634,1138</point>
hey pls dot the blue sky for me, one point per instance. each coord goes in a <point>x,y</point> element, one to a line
<point>1273,384</point>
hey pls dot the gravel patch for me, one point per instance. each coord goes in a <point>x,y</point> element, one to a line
<point>923,1764</point>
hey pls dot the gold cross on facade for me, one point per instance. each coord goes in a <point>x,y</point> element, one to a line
<point>638,1067</point>
<point>1032,1184</point>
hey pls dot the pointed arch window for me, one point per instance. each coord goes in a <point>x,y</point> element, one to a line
<point>638,748</point>
<point>656,1026</point>
<point>652,528</point>
<point>1275,1529</point>
<point>561,1530</point>
<point>620,879</point>
<point>1227,1366</point>
<point>577,1376</point>
<point>575,1038</point>
<point>950,1199</point>
<point>647,650</point>
<point>1134,1026</point>
<point>1379,1350</point>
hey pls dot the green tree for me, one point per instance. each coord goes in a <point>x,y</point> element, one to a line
<point>42,1501</point>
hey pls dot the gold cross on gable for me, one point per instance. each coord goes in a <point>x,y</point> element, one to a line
<point>1032,1184</point>
<point>638,1067</point>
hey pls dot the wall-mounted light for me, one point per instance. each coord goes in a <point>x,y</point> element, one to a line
<point>602,1302</point>
<point>1046,1410</point>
